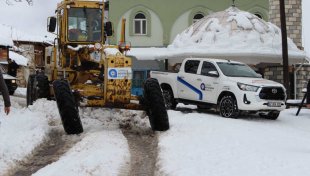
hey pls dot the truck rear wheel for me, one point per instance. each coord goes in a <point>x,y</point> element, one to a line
<point>228,107</point>
<point>169,99</point>
<point>155,105</point>
<point>67,107</point>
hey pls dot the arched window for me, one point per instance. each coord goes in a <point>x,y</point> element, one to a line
<point>140,24</point>
<point>197,17</point>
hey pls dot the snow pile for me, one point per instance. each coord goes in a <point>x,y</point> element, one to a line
<point>99,153</point>
<point>229,34</point>
<point>206,144</point>
<point>21,131</point>
<point>112,51</point>
<point>6,36</point>
<point>11,33</point>
<point>102,150</point>
<point>20,92</point>
<point>19,59</point>
<point>196,144</point>
<point>233,30</point>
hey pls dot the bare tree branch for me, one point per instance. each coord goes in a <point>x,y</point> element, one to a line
<point>9,2</point>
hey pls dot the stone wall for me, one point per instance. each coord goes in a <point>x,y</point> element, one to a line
<point>20,77</point>
<point>275,73</point>
<point>302,76</point>
<point>293,11</point>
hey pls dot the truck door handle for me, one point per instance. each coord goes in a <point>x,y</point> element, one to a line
<point>199,79</point>
<point>182,77</point>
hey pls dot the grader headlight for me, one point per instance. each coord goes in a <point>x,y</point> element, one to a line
<point>98,46</point>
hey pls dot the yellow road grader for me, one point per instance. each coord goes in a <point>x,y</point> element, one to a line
<point>80,70</point>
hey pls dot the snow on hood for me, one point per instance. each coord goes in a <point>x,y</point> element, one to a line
<point>233,34</point>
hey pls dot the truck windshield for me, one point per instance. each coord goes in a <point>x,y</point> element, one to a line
<point>84,25</point>
<point>237,70</point>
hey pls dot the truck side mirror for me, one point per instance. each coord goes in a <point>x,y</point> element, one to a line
<point>51,24</point>
<point>259,75</point>
<point>108,28</point>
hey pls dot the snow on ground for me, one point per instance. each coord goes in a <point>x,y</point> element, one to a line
<point>20,132</point>
<point>196,144</point>
<point>102,151</point>
<point>99,153</point>
<point>20,92</point>
<point>205,144</point>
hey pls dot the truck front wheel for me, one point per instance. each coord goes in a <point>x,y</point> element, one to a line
<point>228,107</point>
<point>68,110</point>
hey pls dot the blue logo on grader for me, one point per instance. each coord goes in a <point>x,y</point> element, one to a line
<point>113,73</point>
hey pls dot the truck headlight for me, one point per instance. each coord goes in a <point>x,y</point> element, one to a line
<point>246,87</point>
<point>13,81</point>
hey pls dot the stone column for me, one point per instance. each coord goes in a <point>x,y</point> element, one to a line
<point>293,10</point>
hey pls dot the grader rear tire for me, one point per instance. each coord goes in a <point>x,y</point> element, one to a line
<point>37,87</point>
<point>30,89</point>
<point>42,86</point>
<point>68,110</point>
<point>155,105</point>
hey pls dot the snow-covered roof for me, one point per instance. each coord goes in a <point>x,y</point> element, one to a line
<point>231,33</point>
<point>5,36</point>
<point>19,59</point>
<point>11,34</point>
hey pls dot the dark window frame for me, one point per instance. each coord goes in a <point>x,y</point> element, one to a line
<point>211,66</point>
<point>197,17</point>
<point>191,66</point>
<point>141,21</point>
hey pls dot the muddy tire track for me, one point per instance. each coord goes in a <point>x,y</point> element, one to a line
<point>50,151</point>
<point>143,151</point>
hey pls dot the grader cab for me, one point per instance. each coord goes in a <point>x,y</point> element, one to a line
<point>80,70</point>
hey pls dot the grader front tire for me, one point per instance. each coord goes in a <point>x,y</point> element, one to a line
<point>68,110</point>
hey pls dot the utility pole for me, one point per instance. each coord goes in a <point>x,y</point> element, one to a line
<point>284,48</point>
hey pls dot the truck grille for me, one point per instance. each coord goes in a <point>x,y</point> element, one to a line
<point>272,93</point>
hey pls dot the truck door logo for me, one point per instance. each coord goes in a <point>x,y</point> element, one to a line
<point>203,86</point>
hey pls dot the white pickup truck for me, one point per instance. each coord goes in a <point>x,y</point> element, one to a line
<point>232,87</point>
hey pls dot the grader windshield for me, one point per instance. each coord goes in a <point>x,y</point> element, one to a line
<point>84,25</point>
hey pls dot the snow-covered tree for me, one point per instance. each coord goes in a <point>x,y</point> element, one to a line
<point>10,2</point>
